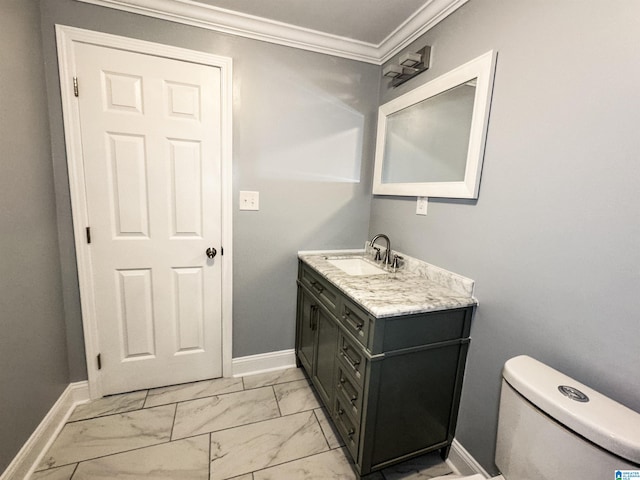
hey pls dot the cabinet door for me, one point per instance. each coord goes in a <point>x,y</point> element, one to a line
<point>307,309</point>
<point>325,356</point>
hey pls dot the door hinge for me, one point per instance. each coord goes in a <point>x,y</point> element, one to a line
<point>99,361</point>
<point>88,234</point>
<point>76,92</point>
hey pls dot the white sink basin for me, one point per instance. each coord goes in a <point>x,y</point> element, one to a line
<point>356,266</point>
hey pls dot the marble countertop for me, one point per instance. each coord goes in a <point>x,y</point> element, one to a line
<point>416,287</point>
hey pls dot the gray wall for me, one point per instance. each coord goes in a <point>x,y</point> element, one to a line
<point>303,130</point>
<point>552,241</point>
<point>33,355</point>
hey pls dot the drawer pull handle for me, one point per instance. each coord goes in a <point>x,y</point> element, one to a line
<point>354,396</point>
<point>317,286</point>
<point>351,432</point>
<point>312,316</point>
<point>352,363</point>
<point>347,316</point>
<point>340,411</point>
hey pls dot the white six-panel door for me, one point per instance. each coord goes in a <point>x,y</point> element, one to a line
<point>151,149</point>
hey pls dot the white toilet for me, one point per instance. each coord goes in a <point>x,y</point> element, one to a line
<point>552,427</point>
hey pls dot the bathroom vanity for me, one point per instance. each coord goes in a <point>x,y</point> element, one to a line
<point>385,351</point>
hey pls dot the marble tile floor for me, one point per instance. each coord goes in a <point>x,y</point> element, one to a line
<point>262,427</point>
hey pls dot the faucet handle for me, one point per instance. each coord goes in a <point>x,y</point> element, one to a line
<point>395,263</point>
<point>377,256</point>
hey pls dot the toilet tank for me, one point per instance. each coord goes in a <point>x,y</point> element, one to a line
<point>544,434</point>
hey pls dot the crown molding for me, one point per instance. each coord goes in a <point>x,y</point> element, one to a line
<point>200,15</point>
<point>416,25</point>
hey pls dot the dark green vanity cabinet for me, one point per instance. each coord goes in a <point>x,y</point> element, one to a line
<point>391,385</point>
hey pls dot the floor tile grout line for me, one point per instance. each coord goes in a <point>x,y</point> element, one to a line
<point>181,386</point>
<point>298,459</point>
<point>74,471</point>
<point>144,407</point>
<point>78,462</point>
<point>145,398</point>
<point>209,457</point>
<point>110,455</point>
<point>148,391</point>
<point>247,424</point>
<point>194,399</point>
<point>229,428</point>
<point>279,464</point>
<point>131,450</point>
<point>112,414</point>
<point>173,424</point>
<point>278,383</point>
<point>276,399</point>
<point>331,427</point>
<point>321,429</point>
<point>210,396</point>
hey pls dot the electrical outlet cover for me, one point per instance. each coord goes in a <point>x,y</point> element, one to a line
<point>421,206</point>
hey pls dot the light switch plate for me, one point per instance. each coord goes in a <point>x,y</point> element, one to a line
<point>421,207</point>
<point>249,200</point>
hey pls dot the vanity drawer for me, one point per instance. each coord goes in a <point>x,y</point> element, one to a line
<point>349,391</point>
<point>320,287</point>
<point>355,320</point>
<point>348,428</point>
<point>351,357</point>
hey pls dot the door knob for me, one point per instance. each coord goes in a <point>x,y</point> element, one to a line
<point>211,252</point>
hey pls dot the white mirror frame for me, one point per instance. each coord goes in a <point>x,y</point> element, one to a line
<point>481,68</point>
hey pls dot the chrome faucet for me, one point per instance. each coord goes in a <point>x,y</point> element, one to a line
<point>387,255</point>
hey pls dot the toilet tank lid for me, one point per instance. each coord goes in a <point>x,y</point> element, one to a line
<point>601,420</point>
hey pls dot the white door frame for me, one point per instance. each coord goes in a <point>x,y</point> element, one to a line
<point>66,36</point>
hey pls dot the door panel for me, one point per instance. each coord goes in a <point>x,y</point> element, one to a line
<point>136,313</point>
<point>151,150</point>
<point>307,332</point>
<point>129,200</point>
<point>189,316</point>
<point>326,354</point>
<point>186,194</point>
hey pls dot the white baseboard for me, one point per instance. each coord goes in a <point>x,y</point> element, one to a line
<point>31,453</point>
<point>263,362</point>
<point>462,462</point>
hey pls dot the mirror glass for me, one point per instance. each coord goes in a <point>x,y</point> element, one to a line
<point>431,139</point>
<point>428,141</point>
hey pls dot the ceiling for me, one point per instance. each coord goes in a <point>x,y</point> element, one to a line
<point>371,31</point>
<point>369,21</point>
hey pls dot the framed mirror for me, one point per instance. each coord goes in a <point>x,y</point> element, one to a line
<point>430,141</point>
